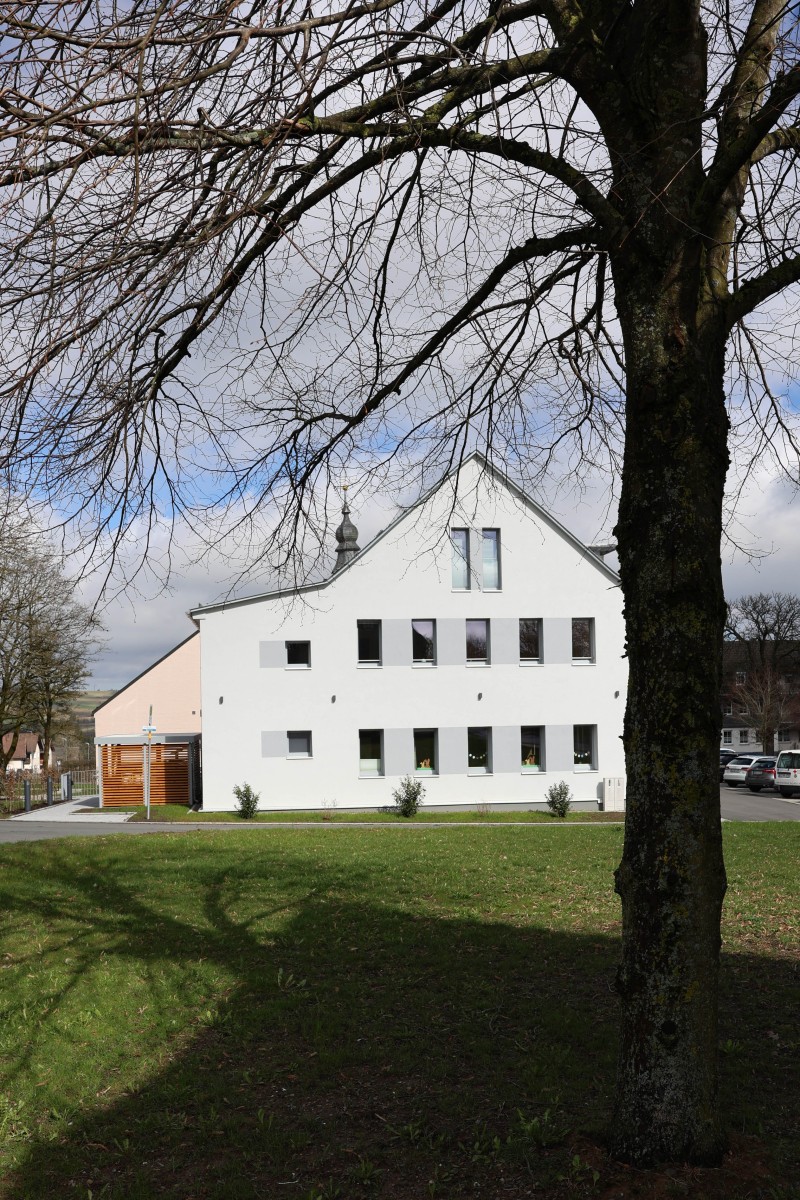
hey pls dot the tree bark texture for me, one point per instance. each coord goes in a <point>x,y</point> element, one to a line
<point>672,877</point>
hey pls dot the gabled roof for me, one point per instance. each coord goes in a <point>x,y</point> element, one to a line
<point>26,744</point>
<point>141,674</point>
<point>475,456</point>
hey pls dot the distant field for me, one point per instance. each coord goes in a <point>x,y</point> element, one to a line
<point>358,1015</point>
<point>86,702</point>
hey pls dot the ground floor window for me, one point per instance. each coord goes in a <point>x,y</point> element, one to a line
<point>744,737</point>
<point>727,737</point>
<point>584,742</point>
<point>370,751</point>
<point>299,743</point>
<point>531,742</point>
<point>784,735</point>
<point>425,756</point>
<point>479,751</point>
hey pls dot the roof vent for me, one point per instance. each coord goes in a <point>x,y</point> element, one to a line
<point>346,538</point>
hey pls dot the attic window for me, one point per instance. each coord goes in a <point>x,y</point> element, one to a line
<point>460,545</point>
<point>491,560</point>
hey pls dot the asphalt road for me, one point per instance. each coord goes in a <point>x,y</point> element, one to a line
<point>737,804</point>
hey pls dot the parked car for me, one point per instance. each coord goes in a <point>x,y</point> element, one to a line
<point>787,773</point>
<point>735,771</point>
<point>725,757</point>
<point>761,774</point>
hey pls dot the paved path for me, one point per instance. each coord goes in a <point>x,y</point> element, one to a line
<point>67,810</point>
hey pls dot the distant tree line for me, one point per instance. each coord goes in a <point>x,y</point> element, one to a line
<point>762,635</point>
<point>48,639</point>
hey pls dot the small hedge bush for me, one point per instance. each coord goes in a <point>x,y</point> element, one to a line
<point>559,798</point>
<point>408,797</point>
<point>247,801</point>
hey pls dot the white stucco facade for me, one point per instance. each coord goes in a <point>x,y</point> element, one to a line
<point>252,698</point>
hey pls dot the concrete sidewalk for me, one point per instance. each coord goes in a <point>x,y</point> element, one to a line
<point>66,810</point>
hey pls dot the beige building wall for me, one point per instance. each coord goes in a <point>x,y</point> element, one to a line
<point>172,686</point>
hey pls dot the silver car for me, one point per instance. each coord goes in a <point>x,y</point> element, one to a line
<point>735,770</point>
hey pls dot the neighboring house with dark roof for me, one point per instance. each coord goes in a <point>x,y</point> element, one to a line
<point>28,752</point>
<point>745,697</point>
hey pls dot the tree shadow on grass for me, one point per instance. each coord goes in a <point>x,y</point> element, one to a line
<point>362,1049</point>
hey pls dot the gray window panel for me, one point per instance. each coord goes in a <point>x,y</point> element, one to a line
<point>273,743</point>
<point>272,654</point>
<point>398,751</point>
<point>557,637</point>
<point>505,748</point>
<point>453,751</point>
<point>505,641</point>
<point>396,643</point>
<point>450,641</point>
<point>560,748</point>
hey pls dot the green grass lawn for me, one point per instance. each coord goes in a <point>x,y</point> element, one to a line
<point>305,1016</point>
<point>179,812</point>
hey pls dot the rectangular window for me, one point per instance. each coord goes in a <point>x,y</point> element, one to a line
<point>727,737</point>
<point>531,748</point>
<point>582,639</point>
<point>479,751</point>
<point>298,654</point>
<point>423,642</point>
<point>460,546</point>
<point>530,639</point>
<point>584,740</point>
<point>783,735</point>
<point>299,743</point>
<point>727,708</point>
<point>477,641</point>
<point>741,677</point>
<point>369,642</point>
<point>426,760</point>
<point>491,560</point>
<point>744,737</point>
<point>370,751</point>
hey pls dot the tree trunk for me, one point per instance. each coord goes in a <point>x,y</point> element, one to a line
<point>672,877</point>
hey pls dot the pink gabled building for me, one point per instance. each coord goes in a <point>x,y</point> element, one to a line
<point>172,687</point>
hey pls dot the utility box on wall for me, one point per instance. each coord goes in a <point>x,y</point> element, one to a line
<point>614,793</point>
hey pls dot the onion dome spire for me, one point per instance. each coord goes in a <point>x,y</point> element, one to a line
<point>346,538</point>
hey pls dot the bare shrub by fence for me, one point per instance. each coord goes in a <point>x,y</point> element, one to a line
<point>12,796</point>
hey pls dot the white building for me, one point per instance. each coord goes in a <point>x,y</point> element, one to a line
<point>475,642</point>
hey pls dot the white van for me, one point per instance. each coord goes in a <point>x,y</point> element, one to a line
<point>787,773</point>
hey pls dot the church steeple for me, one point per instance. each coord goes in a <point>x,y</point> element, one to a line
<point>346,537</point>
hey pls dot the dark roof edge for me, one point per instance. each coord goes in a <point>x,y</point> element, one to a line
<point>141,674</point>
<point>279,593</point>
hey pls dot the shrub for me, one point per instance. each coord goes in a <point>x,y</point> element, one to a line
<point>247,801</point>
<point>408,797</point>
<point>559,798</point>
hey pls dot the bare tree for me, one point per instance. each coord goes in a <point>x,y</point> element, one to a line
<point>63,642</point>
<point>390,230</point>
<point>47,639</point>
<point>765,630</point>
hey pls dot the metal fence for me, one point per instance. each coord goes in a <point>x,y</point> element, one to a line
<point>69,785</point>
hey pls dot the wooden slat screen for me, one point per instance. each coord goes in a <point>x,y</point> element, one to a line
<point>123,775</point>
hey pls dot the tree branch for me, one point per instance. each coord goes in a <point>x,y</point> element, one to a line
<point>756,291</point>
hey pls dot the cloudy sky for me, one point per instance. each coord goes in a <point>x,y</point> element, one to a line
<point>762,553</point>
